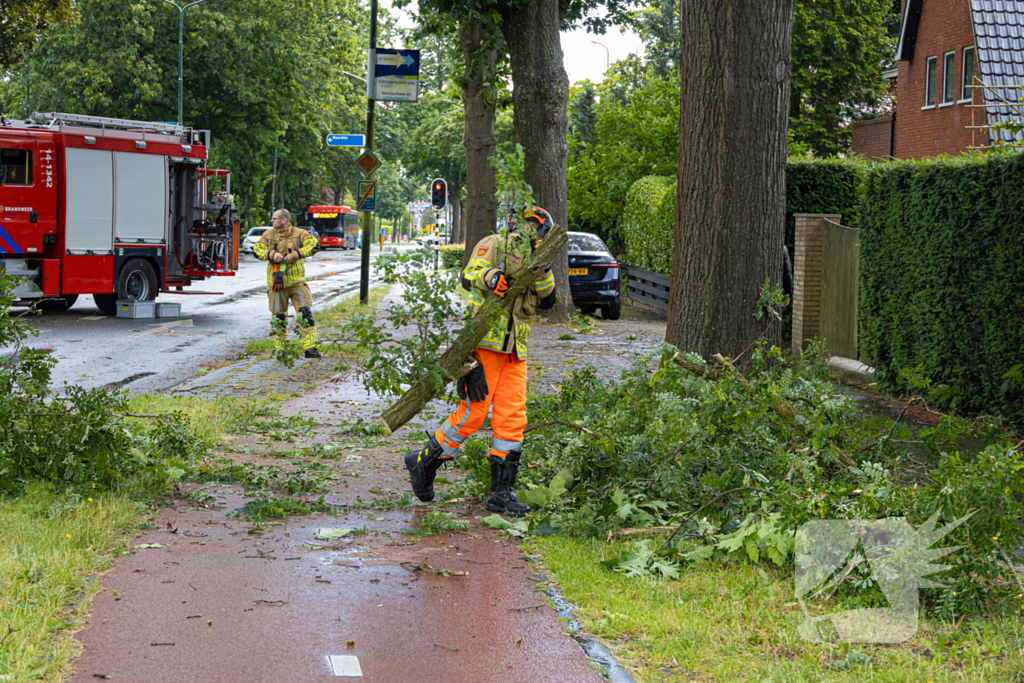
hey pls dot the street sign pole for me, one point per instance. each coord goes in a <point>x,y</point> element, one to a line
<point>367,217</point>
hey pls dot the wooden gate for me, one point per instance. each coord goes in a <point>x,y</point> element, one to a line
<point>840,278</point>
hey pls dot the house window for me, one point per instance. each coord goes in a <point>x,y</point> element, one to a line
<point>949,78</point>
<point>968,75</point>
<point>15,167</point>
<point>929,93</point>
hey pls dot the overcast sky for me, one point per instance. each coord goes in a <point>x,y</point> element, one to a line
<point>583,59</point>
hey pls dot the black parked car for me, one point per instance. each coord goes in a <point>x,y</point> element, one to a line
<point>594,278</point>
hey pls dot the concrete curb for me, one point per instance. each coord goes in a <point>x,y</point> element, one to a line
<point>852,371</point>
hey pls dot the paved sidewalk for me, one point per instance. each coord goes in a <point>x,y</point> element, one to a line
<point>224,600</point>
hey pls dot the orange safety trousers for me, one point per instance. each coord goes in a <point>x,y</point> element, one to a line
<point>506,390</point>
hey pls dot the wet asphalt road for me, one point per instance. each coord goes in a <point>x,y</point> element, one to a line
<point>157,354</point>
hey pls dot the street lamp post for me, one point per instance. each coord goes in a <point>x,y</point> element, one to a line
<point>607,54</point>
<point>181,43</point>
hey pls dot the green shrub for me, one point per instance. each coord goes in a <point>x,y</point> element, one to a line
<point>742,462</point>
<point>451,256</point>
<point>812,186</point>
<point>942,277</point>
<point>648,223</point>
<point>823,186</point>
<point>78,439</point>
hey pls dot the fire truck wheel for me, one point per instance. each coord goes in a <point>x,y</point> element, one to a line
<point>137,281</point>
<point>57,305</point>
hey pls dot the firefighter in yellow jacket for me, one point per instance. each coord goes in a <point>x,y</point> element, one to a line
<point>497,381</point>
<point>284,247</point>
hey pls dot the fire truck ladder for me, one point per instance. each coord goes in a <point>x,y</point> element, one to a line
<point>58,118</point>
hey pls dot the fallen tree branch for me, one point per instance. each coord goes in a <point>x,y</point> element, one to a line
<point>780,406</point>
<point>558,422</point>
<point>1010,565</point>
<point>638,531</point>
<point>425,389</point>
<point>713,500</point>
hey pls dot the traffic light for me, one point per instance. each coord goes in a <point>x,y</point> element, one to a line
<point>439,194</point>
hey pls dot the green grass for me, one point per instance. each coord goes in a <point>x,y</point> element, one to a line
<point>50,548</point>
<point>210,418</point>
<point>327,321</point>
<point>738,623</point>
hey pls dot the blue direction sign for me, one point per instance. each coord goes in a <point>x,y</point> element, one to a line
<point>366,196</point>
<point>338,140</point>
<point>396,75</point>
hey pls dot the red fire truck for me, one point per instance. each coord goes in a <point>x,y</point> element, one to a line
<point>118,209</point>
<point>338,226</point>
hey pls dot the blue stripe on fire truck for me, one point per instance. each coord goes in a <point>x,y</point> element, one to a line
<point>7,238</point>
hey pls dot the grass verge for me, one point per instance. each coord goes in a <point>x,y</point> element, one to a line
<point>328,321</point>
<point>738,623</point>
<point>208,418</point>
<point>50,551</point>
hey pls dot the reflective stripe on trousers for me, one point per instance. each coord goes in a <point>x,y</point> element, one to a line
<point>506,383</point>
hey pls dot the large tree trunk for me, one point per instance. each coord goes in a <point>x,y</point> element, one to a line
<point>454,234</point>
<point>731,199</point>
<point>479,96</point>
<point>540,98</point>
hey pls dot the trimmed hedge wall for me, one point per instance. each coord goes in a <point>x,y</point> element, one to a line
<point>823,186</point>
<point>451,255</point>
<point>812,186</point>
<point>648,223</point>
<point>942,275</point>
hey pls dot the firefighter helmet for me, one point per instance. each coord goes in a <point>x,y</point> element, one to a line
<point>543,220</point>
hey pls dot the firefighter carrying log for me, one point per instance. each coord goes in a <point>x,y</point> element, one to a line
<point>284,247</point>
<point>498,378</point>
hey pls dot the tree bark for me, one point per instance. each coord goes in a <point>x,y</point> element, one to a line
<point>479,97</point>
<point>731,197</point>
<point>540,99</point>
<point>455,233</point>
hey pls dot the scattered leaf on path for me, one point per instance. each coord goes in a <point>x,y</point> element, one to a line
<point>333,533</point>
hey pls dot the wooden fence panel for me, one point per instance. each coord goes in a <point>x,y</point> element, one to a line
<point>840,279</point>
<point>647,289</point>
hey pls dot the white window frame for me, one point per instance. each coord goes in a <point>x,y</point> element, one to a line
<point>930,63</point>
<point>967,77</point>
<point>946,58</point>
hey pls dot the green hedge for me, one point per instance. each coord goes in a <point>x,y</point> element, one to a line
<point>942,276</point>
<point>823,186</point>
<point>812,186</point>
<point>451,255</point>
<point>648,222</point>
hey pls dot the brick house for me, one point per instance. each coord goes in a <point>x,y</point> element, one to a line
<point>947,48</point>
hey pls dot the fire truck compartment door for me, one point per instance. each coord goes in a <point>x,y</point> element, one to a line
<point>141,199</point>
<point>19,195</point>
<point>90,200</point>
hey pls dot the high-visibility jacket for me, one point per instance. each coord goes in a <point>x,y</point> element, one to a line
<point>494,254</point>
<point>289,240</point>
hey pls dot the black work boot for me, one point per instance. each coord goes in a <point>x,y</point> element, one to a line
<point>312,353</point>
<point>503,482</point>
<point>423,465</point>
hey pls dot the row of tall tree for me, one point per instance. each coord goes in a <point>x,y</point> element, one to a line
<point>277,76</point>
<point>627,126</point>
<point>270,80</point>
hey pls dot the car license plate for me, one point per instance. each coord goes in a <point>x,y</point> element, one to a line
<point>578,271</point>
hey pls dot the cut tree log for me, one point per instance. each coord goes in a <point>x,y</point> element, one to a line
<point>425,388</point>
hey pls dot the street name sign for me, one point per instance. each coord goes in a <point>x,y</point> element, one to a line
<point>366,197</point>
<point>396,75</point>
<point>342,140</point>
